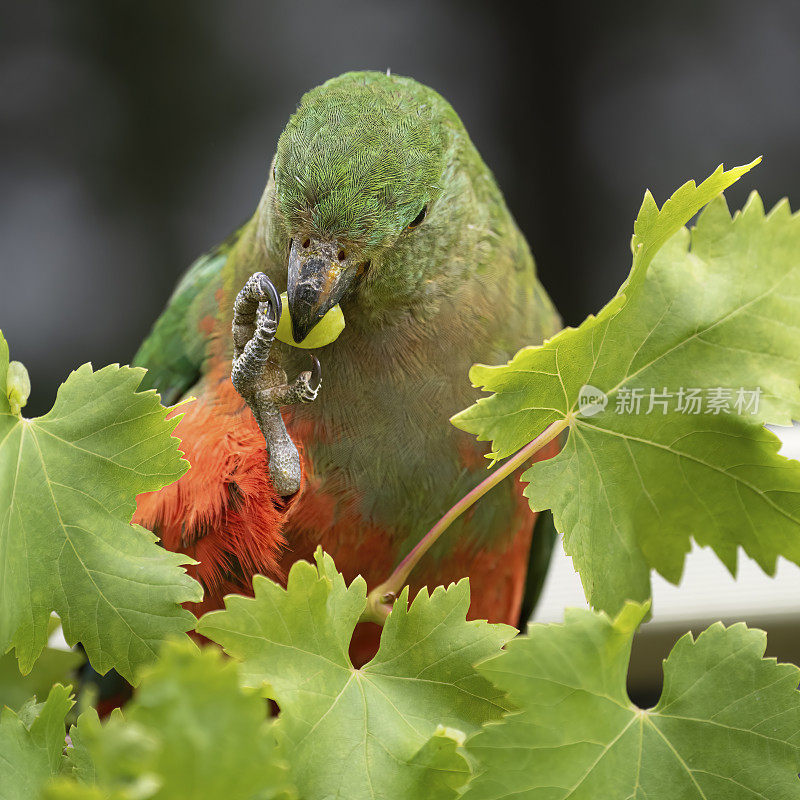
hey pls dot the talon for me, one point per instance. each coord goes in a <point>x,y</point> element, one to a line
<point>316,373</point>
<point>273,298</point>
<point>262,382</point>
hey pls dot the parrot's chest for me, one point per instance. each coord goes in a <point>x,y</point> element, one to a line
<point>380,434</point>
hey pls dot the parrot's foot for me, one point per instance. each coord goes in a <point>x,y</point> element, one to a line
<point>253,334</point>
<point>305,387</point>
<point>262,382</point>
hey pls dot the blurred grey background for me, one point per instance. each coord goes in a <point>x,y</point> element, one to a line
<point>135,135</point>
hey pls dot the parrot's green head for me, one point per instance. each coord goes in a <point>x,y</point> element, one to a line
<point>357,175</point>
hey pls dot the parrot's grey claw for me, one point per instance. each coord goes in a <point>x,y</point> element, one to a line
<point>316,372</point>
<point>253,333</point>
<point>261,381</point>
<point>268,323</point>
<point>306,386</point>
<point>270,296</point>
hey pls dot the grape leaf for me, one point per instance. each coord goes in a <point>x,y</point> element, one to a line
<point>31,742</point>
<point>189,732</point>
<point>105,761</point>
<point>52,666</point>
<point>69,790</point>
<point>390,729</point>
<point>726,725</point>
<point>68,482</point>
<point>654,225</point>
<point>716,309</point>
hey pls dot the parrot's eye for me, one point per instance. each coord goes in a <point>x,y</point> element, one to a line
<point>418,219</point>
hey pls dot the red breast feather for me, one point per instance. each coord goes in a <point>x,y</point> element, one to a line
<point>223,512</point>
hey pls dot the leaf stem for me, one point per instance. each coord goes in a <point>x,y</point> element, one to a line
<point>381,598</point>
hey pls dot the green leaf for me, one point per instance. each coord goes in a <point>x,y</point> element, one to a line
<point>189,732</point>
<point>654,225</point>
<point>716,309</point>
<point>390,729</point>
<point>31,743</point>
<point>69,790</point>
<point>89,729</point>
<point>726,725</point>
<point>108,761</point>
<point>68,482</point>
<point>52,666</point>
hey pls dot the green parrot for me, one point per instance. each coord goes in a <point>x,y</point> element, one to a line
<point>376,200</point>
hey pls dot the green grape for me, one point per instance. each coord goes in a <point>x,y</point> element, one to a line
<point>325,331</point>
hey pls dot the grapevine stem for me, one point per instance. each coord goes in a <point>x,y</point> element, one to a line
<point>381,598</point>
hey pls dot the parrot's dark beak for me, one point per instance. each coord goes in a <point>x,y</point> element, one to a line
<point>319,276</point>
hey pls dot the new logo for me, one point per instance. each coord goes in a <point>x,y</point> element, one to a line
<point>591,400</point>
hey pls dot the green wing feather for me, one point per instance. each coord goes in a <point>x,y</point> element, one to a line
<point>545,537</point>
<point>176,349</point>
